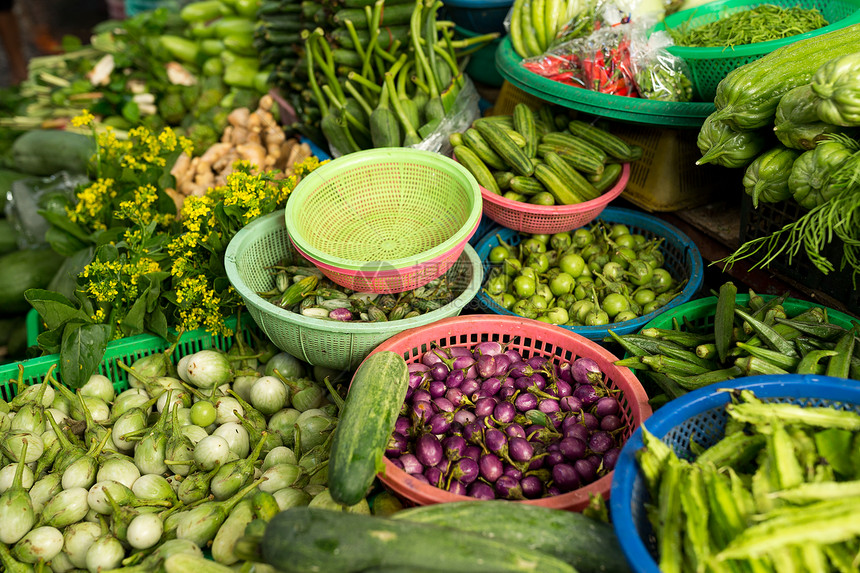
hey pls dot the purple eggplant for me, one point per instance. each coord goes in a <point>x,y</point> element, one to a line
<point>513,355</point>
<point>484,406</point>
<point>464,417</point>
<point>417,367</point>
<point>444,465</point>
<point>565,373</point>
<point>490,386</point>
<point>428,450</point>
<point>611,423</point>
<point>606,406</point>
<point>439,371</point>
<point>520,370</point>
<point>532,487</point>
<point>443,404</point>
<point>537,380</point>
<point>507,392</point>
<point>456,429</point>
<point>421,478</point>
<point>465,470</point>
<point>496,441</point>
<point>573,448</point>
<point>525,402</point>
<point>610,458</point>
<point>434,476</point>
<point>486,366</point>
<point>421,395</point>
<point>537,362</point>
<point>520,449</point>
<point>433,357</point>
<point>507,487</point>
<point>575,430</point>
<point>491,467</point>
<point>488,348</point>
<point>402,425</point>
<point>564,477</point>
<point>588,420</point>
<point>513,471</point>
<point>457,351</point>
<point>473,451</point>
<point>570,404</point>
<point>456,397</point>
<point>586,371</point>
<point>563,389</point>
<point>554,458</point>
<point>474,432</point>
<point>440,422</point>
<point>436,388</point>
<point>463,363</point>
<point>415,380</point>
<point>454,447</point>
<point>504,412</point>
<point>515,430</point>
<point>503,363</point>
<point>469,386</point>
<point>411,465</point>
<point>397,445</point>
<point>422,410</point>
<point>601,442</point>
<point>454,379</point>
<point>480,490</point>
<point>457,487</point>
<point>587,393</point>
<point>396,463</point>
<point>586,469</point>
<point>548,405</point>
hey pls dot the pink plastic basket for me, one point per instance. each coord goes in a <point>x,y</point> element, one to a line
<point>529,218</point>
<point>382,279</point>
<point>531,338</point>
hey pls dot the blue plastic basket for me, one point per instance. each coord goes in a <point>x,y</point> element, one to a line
<point>700,415</point>
<point>479,16</point>
<point>682,259</point>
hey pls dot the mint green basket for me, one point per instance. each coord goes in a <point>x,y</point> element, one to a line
<point>330,343</point>
<point>710,65</point>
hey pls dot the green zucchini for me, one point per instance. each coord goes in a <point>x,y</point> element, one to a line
<point>307,539</point>
<point>570,536</point>
<point>571,177</point>
<point>524,124</point>
<point>47,151</point>
<point>747,97</point>
<point>478,144</point>
<point>507,149</point>
<point>468,159</point>
<point>611,144</point>
<point>563,194</point>
<point>366,421</point>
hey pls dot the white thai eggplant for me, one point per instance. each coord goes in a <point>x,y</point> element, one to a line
<point>119,470</point>
<point>99,386</point>
<point>291,497</point>
<point>105,553</point>
<point>269,394</point>
<point>13,447</point>
<point>178,449</point>
<point>202,522</point>
<point>128,399</point>
<point>16,508</point>
<point>152,487</point>
<point>193,433</point>
<point>236,436</point>
<point>67,507</point>
<point>283,422</point>
<point>61,563</point>
<point>279,455</point>
<point>242,384</point>
<point>77,539</point>
<point>208,369</point>
<point>149,453</point>
<point>40,543</point>
<point>228,409</point>
<point>83,471</point>
<point>280,476</point>
<point>211,451</point>
<point>288,365</point>
<point>7,477</point>
<point>44,490</point>
<point>232,476</point>
<point>144,531</point>
<point>195,487</point>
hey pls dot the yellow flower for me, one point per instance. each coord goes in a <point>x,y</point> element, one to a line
<point>85,118</point>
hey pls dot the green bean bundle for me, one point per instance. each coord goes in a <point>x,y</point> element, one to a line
<point>760,24</point>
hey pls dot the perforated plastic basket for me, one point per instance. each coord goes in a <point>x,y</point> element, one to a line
<point>700,415</point>
<point>710,65</point>
<point>634,109</point>
<point>682,260</point>
<point>531,338</point>
<point>339,345</point>
<point>528,218</point>
<point>127,350</point>
<point>383,210</point>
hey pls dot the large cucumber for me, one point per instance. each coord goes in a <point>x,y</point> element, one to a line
<point>24,270</point>
<point>47,151</point>
<point>366,421</point>
<point>589,545</point>
<point>304,539</point>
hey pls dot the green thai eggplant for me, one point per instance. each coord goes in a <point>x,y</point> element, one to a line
<point>722,145</point>
<point>837,87</point>
<point>766,178</point>
<point>796,124</point>
<point>809,180</point>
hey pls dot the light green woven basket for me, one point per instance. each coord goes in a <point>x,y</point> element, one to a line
<point>338,345</point>
<point>399,205</point>
<point>708,66</point>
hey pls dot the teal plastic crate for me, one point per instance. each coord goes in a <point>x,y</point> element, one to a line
<point>126,350</point>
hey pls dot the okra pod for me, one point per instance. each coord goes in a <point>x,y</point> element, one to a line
<point>699,380</point>
<point>734,450</point>
<point>837,447</point>
<point>666,364</point>
<point>823,330</point>
<point>632,362</point>
<point>810,364</point>
<point>814,416</point>
<point>673,351</point>
<point>636,344</point>
<point>840,364</point>
<point>724,319</point>
<point>788,363</point>
<point>670,388</point>
<point>753,366</point>
<point>707,351</point>
<point>686,339</point>
<point>770,337</point>
<point>297,291</point>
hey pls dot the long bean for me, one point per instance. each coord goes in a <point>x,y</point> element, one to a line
<point>760,24</point>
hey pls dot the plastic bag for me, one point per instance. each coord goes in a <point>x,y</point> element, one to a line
<point>33,194</point>
<point>560,64</point>
<point>605,61</point>
<point>463,112</point>
<point>658,74</point>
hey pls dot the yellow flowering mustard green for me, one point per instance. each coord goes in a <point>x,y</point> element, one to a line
<point>155,253</point>
<point>84,119</point>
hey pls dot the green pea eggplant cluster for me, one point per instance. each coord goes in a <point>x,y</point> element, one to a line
<point>592,276</point>
<point>188,456</point>
<point>750,335</point>
<point>305,290</point>
<point>779,491</point>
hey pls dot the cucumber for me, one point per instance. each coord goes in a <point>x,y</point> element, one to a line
<point>366,421</point>
<point>578,160</point>
<point>191,563</point>
<point>554,184</point>
<point>571,177</point>
<point>503,179</point>
<point>305,539</point>
<point>608,178</point>
<point>476,143</point>
<point>526,185</point>
<point>611,144</point>
<point>24,270</point>
<point>8,237</point>
<point>507,149</point>
<point>47,151</point>
<point>589,545</point>
<point>559,139</point>
<point>467,158</point>
<point>524,123</point>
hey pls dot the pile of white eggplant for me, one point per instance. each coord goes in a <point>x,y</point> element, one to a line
<point>180,462</point>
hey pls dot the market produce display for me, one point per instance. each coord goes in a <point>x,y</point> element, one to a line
<point>557,423</point>
<point>749,335</point>
<point>596,275</point>
<point>776,492</point>
<point>541,158</point>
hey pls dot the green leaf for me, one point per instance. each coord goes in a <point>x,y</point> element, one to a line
<point>82,350</point>
<point>70,43</point>
<point>63,242</point>
<point>62,222</point>
<point>107,253</point>
<point>131,112</point>
<point>156,322</point>
<point>50,340</point>
<point>55,309</point>
<point>133,321</point>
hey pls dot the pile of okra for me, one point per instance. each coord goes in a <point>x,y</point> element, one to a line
<point>745,340</point>
<point>780,492</point>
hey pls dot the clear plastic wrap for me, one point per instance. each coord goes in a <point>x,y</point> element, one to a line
<point>605,61</point>
<point>658,74</point>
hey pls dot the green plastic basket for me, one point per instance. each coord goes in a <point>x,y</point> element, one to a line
<point>700,313</point>
<point>404,207</point>
<point>126,350</point>
<point>708,66</point>
<point>338,345</point>
<point>632,109</point>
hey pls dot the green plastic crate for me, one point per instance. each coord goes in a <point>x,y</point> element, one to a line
<point>708,66</point>
<point>126,350</point>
